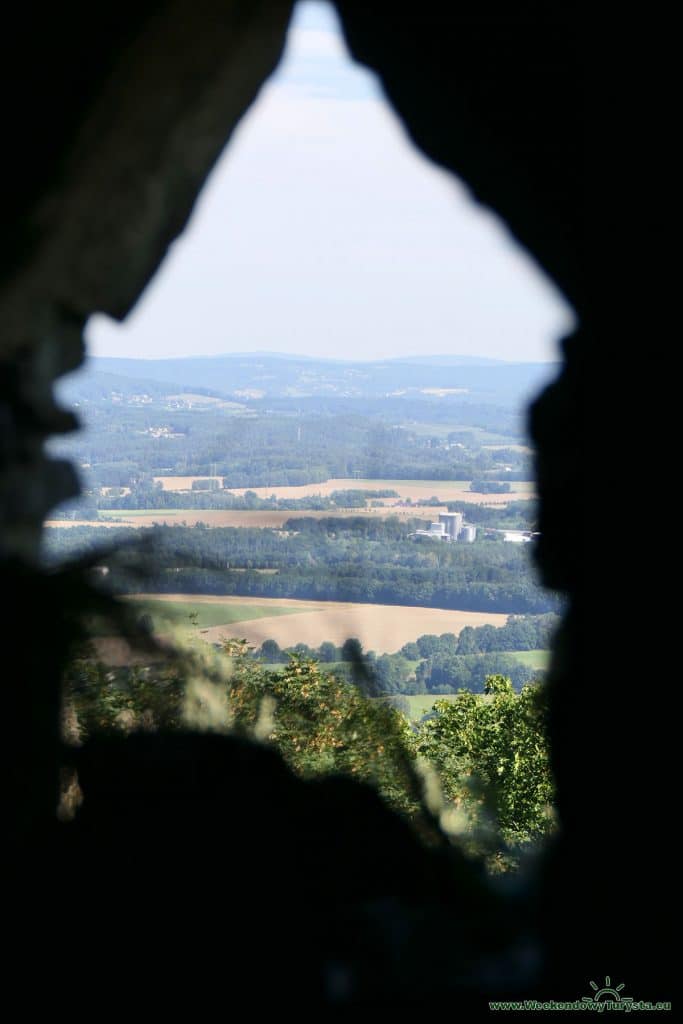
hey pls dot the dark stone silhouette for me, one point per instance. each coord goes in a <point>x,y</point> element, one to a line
<point>199,864</point>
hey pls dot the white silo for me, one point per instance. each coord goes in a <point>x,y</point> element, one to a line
<point>452,522</point>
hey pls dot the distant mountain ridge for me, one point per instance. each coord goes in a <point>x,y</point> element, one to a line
<point>257,375</point>
<point>440,359</point>
<point>447,360</point>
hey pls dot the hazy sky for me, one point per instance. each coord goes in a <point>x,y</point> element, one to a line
<point>322,231</point>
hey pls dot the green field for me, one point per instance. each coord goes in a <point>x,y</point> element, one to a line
<point>534,659</point>
<point>421,703</point>
<point>208,615</point>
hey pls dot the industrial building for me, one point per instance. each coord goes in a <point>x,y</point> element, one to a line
<point>449,528</point>
<point>452,523</point>
<point>437,531</point>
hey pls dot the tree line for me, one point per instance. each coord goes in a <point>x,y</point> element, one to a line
<point>354,559</point>
<point>123,445</point>
<point>435,664</point>
<point>149,495</point>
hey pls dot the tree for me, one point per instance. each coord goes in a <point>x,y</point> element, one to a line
<point>145,623</point>
<point>300,650</point>
<point>352,650</point>
<point>428,645</point>
<point>392,672</point>
<point>328,652</point>
<point>410,651</point>
<point>489,752</point>
<point>98,697</point>
<point>320,723</point>
<point>491,755</point>
<point>270,652</point>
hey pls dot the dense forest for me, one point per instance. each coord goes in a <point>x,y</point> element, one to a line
<point>352,559</point>
<point>122,445</point>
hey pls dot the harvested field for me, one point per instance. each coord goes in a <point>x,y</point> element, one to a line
<point>227,517</point>
<point>446,490</point>
<point>382,628</point>
<point>61,523</point>
<point>183,483</point>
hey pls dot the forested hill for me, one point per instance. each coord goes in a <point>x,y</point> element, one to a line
<point>325,559</point>
<point>257,376</point>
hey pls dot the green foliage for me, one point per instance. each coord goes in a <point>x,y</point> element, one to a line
<point>489,751</point>
<point>520,633</point>
<point>328,652</point>
<point>322,724</point>
<point>448,673</point>
<point>515,515</point>
<point>326,559</point>
<point>490,486</point>
<point>209,484</point>
<point>352,650</point>
<point>394,674</point>
<point>491,756</point>
<point>126,444</point>
<point>410,651</point>
<point>270,651</point>
<point>99,697</point>
<point>301,650</point>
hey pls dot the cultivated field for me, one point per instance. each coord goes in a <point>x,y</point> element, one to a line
<point>381,628</point>
<point>227,517</point>
<point>191,399</point>
<point>87,522</point>
<point>415,490</point>
<point>183,483</point>
<point>446,490</point>
<point>207,614</point>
